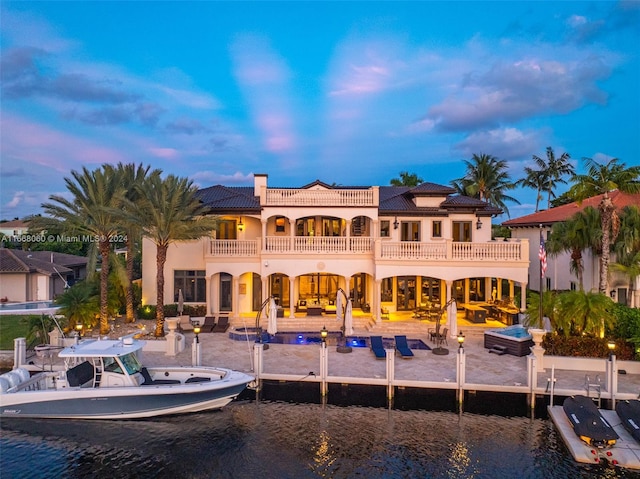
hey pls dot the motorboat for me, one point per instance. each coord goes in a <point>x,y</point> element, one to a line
<point>588,423</point>
<point>629,413</point>
<point>105,379</point>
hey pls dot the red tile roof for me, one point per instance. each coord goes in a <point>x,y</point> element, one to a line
<point>564,212</point>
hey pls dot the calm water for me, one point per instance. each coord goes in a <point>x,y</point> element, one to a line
<point>272,439</point>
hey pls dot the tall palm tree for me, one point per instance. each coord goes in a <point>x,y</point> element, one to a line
<point>575,235</point>
<point>535,179</point>
<point>487,179</point>
<point>131,177</point>
<point>555,169</point>
<point>168,211</point>
<point>92,212</point>
<point>601,179</point>
<point>406,179</point>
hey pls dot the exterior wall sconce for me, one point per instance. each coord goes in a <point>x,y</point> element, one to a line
<point>460,339</point>
<point>478,224</point>
<point>613,294</point>
<point>240,225</point>
<point>395,223</point>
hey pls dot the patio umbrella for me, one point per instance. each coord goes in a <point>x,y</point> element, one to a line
<point>272,325</point>
<point>452,319</point>
<point>348,319</point>
<point>180,302</point>
<point>339,305</point>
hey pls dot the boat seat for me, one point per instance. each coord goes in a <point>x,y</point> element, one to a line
<point>148,381</point>
<point>80,374</point>
<point>197,379</point>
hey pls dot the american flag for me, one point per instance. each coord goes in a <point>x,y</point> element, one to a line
<point>542,256</point>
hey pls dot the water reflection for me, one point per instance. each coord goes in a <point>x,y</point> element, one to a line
<point>271,439</point>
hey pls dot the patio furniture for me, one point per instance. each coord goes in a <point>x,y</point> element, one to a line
<point>377,347</point>
<point>301,307</point>
<point>185,323</point>
<point>402,347</point>
<point>434,332</point>
<point>208,324</point>
<point>222,325</point>
<point>442,338</point>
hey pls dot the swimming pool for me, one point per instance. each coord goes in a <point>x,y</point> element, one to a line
<point>32,307</point>
<point>333,337</point>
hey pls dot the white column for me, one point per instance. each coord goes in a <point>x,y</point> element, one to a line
<point>523,296</point>
<point>235,281</point>
<point>263,224</point>
<point>376,306</point>
<point>293,299</point>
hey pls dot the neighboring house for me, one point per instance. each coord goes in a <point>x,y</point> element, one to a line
<point>38,275</point>
<point>558,275</point>
<point>389,247</point>
<point>13,228</point>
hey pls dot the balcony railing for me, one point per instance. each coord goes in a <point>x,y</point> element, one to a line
<point>413,250</point>
<point>404,250</point>
<point>234,248</point>
<point>303,197</point>
<point>318,244</point>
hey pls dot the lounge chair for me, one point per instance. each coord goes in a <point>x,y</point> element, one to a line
<point>378,347</point>
<point>403,348</point>
<point>208,324</point>
<point>185,323</point>
<point>222,325</point>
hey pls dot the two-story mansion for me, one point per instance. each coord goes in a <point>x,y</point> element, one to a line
<point>390,248</point>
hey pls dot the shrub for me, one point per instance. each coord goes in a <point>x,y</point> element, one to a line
<point>585,346</point>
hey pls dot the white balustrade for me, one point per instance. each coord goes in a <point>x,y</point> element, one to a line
<point>305,197</point>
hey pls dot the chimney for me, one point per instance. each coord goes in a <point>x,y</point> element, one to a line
<point>259,180</point>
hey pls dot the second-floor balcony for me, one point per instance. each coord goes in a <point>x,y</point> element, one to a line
<point>378,249</point>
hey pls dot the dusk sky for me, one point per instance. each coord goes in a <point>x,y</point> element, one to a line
<point>345,92</point>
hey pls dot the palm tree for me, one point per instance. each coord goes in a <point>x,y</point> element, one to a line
<point>601,179</point>
<point>535,179</point>
<point>80,304</point>
<point>575,235</point>
<point>406,179</point>
<point>585,312</point>
<point>130,177</point>
<point>487,179</point>
<point>168,211</point>
<point>92,212</point>
<point>532,313</point>
<point>554,169</point>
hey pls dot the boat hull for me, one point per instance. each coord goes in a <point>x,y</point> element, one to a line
<point>629,413</point>
<point>588,423</point>
<point>124,402</point>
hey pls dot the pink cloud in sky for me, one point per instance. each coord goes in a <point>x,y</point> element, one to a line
<point>263,76</point>
<point>164,153</point>
<point>27,142</point>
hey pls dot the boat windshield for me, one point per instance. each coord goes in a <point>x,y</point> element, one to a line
<point>131,363</point>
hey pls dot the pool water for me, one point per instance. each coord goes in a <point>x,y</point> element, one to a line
<point>27,306</point>
<point>513,332</point>
<point>314,338</point>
